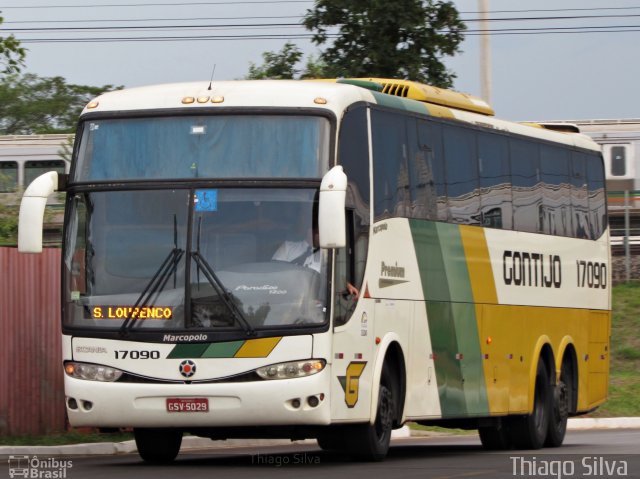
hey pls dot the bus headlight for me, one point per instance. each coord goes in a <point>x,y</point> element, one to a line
<point>92,372</point>
<point>293,369</point>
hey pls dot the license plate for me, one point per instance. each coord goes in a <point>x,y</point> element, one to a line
<point>188,404</point>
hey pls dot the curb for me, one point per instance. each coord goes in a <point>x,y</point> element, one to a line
<point>581,424</point>
<point>192,442</point>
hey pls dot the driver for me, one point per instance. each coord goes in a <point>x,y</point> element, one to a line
<point>304,252</point>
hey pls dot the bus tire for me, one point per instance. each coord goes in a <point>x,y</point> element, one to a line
<point>333,439</point>
<point>158,446</point>
<point>495,438</point>
<point>370,442</point>
<point>530,431</point>
<point>559,410</point>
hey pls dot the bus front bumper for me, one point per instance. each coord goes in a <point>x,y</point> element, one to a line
<point>281,402</point>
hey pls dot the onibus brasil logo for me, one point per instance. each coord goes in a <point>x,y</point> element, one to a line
<point>33,467</point>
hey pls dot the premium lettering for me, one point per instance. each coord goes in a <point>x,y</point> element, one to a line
<point>392,271</point>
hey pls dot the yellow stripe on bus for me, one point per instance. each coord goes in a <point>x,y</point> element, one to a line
<point>257,348</point>
<point>509,357</point>
<point>476,253</point>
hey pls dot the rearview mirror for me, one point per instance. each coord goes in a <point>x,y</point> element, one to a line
<point>32,207</point>
<point>331,209</point>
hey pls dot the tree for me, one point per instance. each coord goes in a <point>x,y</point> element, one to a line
<point>11,54</point>
<point>282,65</point>
<point>315,68</point>
<point>377,38</point>
<point>277,65</point>
<point>30,104</point>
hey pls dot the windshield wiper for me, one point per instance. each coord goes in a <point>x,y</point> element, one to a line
<point>226,296</point>
<point>156,284</point>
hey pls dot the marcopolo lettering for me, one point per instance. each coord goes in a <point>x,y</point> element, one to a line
<point>520,268</point>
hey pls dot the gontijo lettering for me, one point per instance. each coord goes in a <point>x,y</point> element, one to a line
<point>139,312</point>
<point>531,269</point>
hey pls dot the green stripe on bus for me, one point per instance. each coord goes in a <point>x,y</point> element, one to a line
<point>430,261</point>
<point>223,350</point>
<point>452,319</point>
<point>400,103</point>
<point>185,351</point>
<point>455,264</point>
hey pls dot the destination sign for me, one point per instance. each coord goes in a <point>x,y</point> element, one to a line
<point>132,312</point>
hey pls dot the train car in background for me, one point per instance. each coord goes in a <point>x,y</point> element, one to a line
<point>22,159</point>
<point>25,157</point>
<point>620,141</point>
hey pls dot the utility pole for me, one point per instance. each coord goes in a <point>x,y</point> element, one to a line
<point>485,51</point>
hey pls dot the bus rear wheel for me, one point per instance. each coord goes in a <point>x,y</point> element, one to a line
<point>158,446</point>
<point>496,437</point>
<point>530,432</point>
<point>560,404</point>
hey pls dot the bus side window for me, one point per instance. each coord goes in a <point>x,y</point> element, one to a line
<point>391,191</point>
<point>527,190</point>
<point>495,181</point>
<point>428,183</point>
<point>349,270</point>
<point>597,197</point>
<point>461,162</point>
<point>554,173</point>
<point>579,195</point>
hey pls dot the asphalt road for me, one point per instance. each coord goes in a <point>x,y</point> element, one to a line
<point>586,454</point>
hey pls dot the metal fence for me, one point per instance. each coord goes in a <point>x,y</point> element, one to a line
<point>624,223</point>
<point>31,377</point>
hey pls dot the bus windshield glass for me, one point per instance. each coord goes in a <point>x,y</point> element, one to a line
<point>197,259</point>
<point>206,146</point>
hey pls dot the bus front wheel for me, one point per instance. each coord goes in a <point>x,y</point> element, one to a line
<point>370,442</point>
<point>158,446</point>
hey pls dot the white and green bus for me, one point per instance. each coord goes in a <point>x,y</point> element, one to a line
<point>330,260</point>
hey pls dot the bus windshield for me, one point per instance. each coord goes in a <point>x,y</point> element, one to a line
<point>203,259</point>
<point>205,146</point>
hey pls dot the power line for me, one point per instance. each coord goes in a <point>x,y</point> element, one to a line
<point>572,17</point>
<point>252,25</point>
<point>623,30</point>
<point>551,29</point>
<point>559,10</point>
<point>278,36</point>
<point>185,4</point>
<point>155,19</point>
<point>303,36</point>
<point>469,20</point>
<point>151,27</point>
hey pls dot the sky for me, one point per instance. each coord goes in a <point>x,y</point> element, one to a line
<point>541,75</point>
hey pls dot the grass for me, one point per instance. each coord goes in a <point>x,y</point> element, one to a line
<point>624,380</point>
<point>435,430</point>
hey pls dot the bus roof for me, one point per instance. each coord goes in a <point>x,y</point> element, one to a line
<point>323,95</point>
